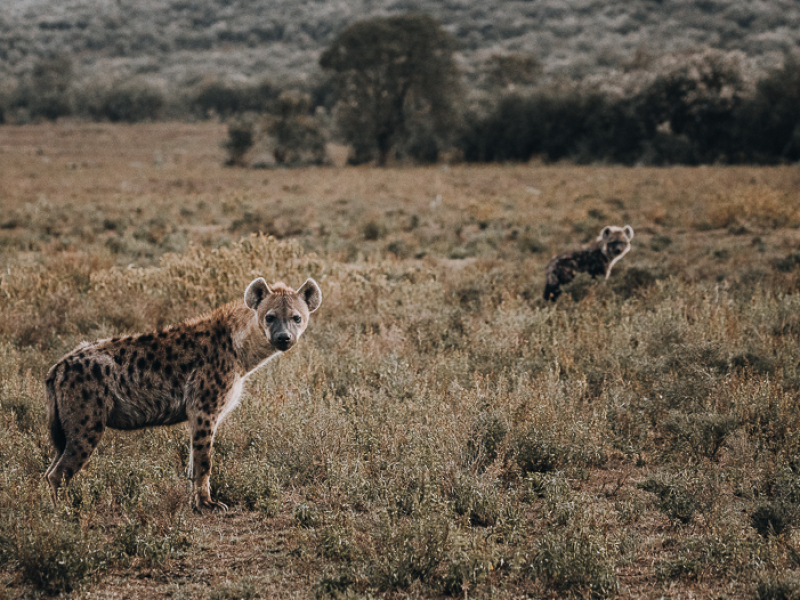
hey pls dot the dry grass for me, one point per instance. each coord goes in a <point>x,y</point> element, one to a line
<point>440,431</point>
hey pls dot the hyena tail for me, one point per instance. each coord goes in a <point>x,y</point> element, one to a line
<point>57,433</point>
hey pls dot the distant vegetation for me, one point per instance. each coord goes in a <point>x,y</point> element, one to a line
<point>394,77</point>
<point>633,82</point>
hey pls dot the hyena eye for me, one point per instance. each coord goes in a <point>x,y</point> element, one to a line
<point>297,319</point>
<point>270,319</point>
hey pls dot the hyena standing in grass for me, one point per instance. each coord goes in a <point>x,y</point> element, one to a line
<point>595,259</point>
<point>189,372</point>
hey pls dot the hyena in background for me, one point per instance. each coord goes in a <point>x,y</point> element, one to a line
<point>597,258</point>
<point>189,372</point>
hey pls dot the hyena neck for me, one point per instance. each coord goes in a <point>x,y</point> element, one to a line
<point>250,343</point>
<point>615,261</point>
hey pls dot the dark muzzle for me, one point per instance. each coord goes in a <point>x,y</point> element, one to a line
<point>282,340</point>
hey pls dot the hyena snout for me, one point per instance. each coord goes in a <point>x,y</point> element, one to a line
<point>616,248</point>
<point>283,340</point>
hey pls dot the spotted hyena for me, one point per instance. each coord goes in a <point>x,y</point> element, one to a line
<point>595,259</point>
<point>189,372</point>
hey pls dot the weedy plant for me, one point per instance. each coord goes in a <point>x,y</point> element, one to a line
<point>54,555</point>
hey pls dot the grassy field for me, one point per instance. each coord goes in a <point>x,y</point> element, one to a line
<point>439,431</point>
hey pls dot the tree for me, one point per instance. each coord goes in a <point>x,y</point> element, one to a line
<point>390,73</point>
<point>770,121</point>
<point>46,93</point>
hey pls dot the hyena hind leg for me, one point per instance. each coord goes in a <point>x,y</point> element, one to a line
<point>75,455</point>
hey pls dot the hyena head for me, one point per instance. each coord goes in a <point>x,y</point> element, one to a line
<point>281,311</point>
<point>615,241</point>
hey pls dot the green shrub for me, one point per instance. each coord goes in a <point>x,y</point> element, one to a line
<point>47,91</point>
<point>374,230</point>
<point>54,555</point>
<point>296,133</point>
<point>409,550</point>
<point>634,280</point>
<point>137,540</point>
<point>679,568</point>
<point>785,587</point>
<point>335,587</point>
<point>712,554</point>
<point>535,451</point>
<point>306,516</point>
<point>247,482</point>
<point>479,501</point>
<point>788,263</point>
<point>337,541</point>
<point>575,560</point>
<point>130,102</point>
<point>673,499</point>
<point>488,438</point>
<point>773,518</point>
<point>702,434</point>
<point>469,563</point>
<point>226,100</point>
<point>244,588</point>
<point>240,140</point>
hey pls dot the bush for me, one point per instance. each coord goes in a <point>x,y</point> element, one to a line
<point>699,108</point>
<point>297,135</point>
<point>410,550</point>
<point>773,518</point>
<point>478,501</point>
<point>247,482</point>
<point>245,588</point>
<point>130,102</point>
<point>702,434</point>
<point>536,452</point>
<point>693,102</point>
<point>240,140</point>
<point>489,432</point>
<point>555,124</point>
<point>470,562</point>
<point>770,121</point>
<point>673,499</point>
<point>576,561</point>
<point>54,555</point>
<point>226,100</point>
<point>715,554</point>
<point>780,588</point>
<point>137,540</point>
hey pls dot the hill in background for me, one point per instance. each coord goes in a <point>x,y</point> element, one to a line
<point>180,43</point>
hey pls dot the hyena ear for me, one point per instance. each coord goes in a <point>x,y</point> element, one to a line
<point>256,292</point>
<point>605,233</point>
<point>311,293</point>
<point>629,232</point>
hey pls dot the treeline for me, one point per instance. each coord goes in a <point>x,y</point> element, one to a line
<point>696,114</point>
<point>50,92</point>
<point>698,108</point>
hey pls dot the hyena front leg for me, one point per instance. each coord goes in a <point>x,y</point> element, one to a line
<point>202,427</point>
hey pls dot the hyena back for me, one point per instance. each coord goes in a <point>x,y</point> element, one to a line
<point>189,372</point>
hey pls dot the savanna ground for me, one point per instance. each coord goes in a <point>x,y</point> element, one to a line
<point>439,431</point>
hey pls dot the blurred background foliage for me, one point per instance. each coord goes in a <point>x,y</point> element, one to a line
<point>642,82</point>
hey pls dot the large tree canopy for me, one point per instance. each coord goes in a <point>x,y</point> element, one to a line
<point>391,72</point>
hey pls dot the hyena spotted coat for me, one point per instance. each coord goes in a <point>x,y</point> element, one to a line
<point>189,372</point>
<point>597,258</point>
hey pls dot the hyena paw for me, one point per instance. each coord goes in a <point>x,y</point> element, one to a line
<point>203,505</point>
